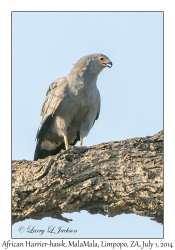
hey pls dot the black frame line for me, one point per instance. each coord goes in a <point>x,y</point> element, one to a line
<point>163,131</point>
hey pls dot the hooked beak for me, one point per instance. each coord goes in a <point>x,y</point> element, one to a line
<point>108,64</point>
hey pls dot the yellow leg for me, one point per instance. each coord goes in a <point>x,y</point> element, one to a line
<point>81,142</point>
<point>66,142</point>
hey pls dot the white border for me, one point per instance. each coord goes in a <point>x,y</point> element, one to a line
<point>5,98</point>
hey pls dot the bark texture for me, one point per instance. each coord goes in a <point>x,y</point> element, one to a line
<point>109,178</point>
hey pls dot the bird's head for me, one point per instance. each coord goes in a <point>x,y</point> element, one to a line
<point>97,62</point>
<point>91,64</point>
<point>104,61</point>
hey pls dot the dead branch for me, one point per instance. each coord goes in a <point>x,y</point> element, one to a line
<point>109,178</point>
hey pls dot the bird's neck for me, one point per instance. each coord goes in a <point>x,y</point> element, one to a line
<point>83,78</point>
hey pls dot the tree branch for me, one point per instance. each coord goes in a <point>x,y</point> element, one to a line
<point>109,178</point>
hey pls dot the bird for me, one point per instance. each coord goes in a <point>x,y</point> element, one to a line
<point>71,107</point>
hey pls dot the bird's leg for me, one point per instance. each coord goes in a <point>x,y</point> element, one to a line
<point>81,142</point>
<point>66,142</point>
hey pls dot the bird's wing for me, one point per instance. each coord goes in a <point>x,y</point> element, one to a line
<point>99,104</point>
<point>54,97</point>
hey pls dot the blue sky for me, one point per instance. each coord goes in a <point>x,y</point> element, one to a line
<point>44,47</point>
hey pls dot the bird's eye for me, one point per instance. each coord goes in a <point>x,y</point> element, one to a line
<point>101,58</point>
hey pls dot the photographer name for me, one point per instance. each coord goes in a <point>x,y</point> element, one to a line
<point>50,229</point>
<point>57,230</point>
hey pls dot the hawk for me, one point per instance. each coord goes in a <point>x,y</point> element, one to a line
<point>71,106</point>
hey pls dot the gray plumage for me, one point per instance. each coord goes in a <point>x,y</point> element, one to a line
<point>71,106</point>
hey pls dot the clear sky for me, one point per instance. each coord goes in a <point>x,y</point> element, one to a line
<point>44,47</point>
